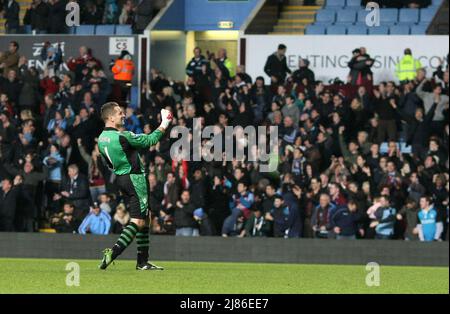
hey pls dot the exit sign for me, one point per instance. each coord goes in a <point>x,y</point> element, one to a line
<point>226,24</point>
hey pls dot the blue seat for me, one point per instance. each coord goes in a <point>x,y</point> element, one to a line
<point>335,3</point>
<point>354,3</point>
<point>400,30</point>
<point>105,30</point>
<point>361,18</point>
<point>328,16</point>
<point>357,30</point>
<point>420,29</point>
<point>436,3</point>
<point>124,30</point>
<point>72,30</point>
<point>346,16</point>
<point>410,16</point>
<point>85,30</point>
<point>379,30</point>
<point>315,30</point>
<point>389,16</point>
<point>427,15</point>
<point>336,30</point>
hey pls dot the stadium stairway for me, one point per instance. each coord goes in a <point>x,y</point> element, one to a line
<point>296,16</point>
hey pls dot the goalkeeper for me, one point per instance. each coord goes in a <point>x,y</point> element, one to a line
<point>120,151</point>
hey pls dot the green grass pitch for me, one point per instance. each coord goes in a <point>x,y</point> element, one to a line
<point>49,276</point>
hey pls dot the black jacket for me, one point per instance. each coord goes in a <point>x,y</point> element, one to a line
<point>12,14</point>
<point>184,216</point>
<point>80,196</point>
<point>304,73</point>
<point>418,131</point>
<point>38,17</point>
<point>57,18</point>
<point>8,207</point>
<point>276,67</point>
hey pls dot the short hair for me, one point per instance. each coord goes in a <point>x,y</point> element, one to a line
<point>108,109</point>
<point>427,199</point>
<point>73,167</point>
<point>282,47</point>
<point>408,51</point>
<point>15,43</point>
<point>278,197</point>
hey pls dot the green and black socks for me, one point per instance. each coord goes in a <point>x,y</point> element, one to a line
<point>125,239</point>
<point>143,244</point>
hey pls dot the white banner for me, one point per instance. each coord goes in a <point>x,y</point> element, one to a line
<point>117,44</point>
<point>329,55</point>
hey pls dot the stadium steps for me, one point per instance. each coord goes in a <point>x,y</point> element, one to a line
<point>295,17</point>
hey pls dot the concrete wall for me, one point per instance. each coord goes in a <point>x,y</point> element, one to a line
<point>201,15</point>
<point>168,53</point>
<point>167,248</point>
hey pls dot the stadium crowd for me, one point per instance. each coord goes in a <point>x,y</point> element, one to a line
<point>355,160</point>
<point>49,16</point>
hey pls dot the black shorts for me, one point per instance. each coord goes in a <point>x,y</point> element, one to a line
<point>135,190</point>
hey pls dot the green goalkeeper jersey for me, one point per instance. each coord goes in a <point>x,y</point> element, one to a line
<point>120,149</point>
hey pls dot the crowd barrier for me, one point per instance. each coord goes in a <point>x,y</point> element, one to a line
<point>216,249</point>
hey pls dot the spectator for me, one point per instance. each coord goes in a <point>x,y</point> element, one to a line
<point>12,87</point>
<point>385,105</point>
<point>346,222</point>
<point>9,60</point>
<point>29,94</point>
<point>75,188</point>
<point>57,17</point>
<point>37,16</point>
<point>120,220</point>
<point>127,14</point>
<point>184,216</point>
<point>93,15</point>
<point>97,222</point>
<point>234,225</point>
<point>304,75</point>
<point>242,200</point>
<point>419,129</point>
<point>224,64</point>
<point>360,64</point>
<point>194,67</point>
<point>65,222</point>
<point>123,70</point>
<point>11,14</point>
<point>409,214</point>
<point>280,215</point>
<point>385,217</point>
<point>97,185</point>
<point>9,195</point>
<point>291,110</point>
<point>132,122</point>
<point>429,99</point>
<point>407,67</point>
<point>257,225</point>
<point>320,221</point>
<point>427,221</point>
<point>111,12</point>
<point>276,66</point>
